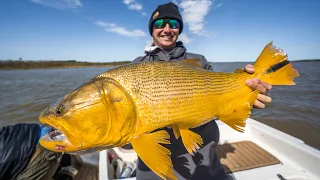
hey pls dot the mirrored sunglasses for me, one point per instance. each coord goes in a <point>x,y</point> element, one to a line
<point>161,23</point>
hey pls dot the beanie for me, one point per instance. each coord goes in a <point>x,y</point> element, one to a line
<point>166,11</point>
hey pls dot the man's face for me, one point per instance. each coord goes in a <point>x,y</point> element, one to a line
<point>165,37</point>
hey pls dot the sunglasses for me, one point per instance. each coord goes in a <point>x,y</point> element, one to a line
<point>161,23</point>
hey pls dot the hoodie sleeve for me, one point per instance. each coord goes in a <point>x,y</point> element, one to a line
<point>205,64</point>
<point>17,145</point>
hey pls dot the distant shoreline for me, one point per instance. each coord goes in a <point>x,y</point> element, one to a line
<point>307,60</point>
<point>25,65</point>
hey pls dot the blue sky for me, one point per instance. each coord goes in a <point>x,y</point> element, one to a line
<point>117,30</point>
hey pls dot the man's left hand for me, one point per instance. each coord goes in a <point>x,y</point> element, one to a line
<point>256,84</point>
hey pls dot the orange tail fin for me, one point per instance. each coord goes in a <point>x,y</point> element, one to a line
<point>274,67</point>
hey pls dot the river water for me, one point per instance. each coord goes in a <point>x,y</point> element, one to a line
<point>294,109</point>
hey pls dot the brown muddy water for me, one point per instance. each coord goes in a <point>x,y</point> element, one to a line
<point>294,109</point>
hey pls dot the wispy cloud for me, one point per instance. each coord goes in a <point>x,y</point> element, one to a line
<point>133,5</point>
<point>184,38</point>
<point>114,28</point>
<point>194,13</point>
<point>144,14</point>
<point>219,5</point>
<point>59,4</point>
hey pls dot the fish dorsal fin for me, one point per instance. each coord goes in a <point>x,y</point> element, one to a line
<point>153,154</point>
<point>192,62</point>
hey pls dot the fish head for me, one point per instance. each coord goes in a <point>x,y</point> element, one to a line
<point>96,115</point>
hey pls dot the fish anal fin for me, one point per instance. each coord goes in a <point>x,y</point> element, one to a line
<point>191,141</point>
<point>153,154</point>
<point>176,131</point>
<point>193,62</point>
<point>236,116</point>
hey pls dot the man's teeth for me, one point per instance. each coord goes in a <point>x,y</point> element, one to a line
<point>168,37</point>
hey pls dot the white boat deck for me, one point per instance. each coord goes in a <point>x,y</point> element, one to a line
<point>298,161</point>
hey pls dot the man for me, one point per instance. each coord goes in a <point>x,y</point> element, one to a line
<point>165,25</point>
<point>22,158</point>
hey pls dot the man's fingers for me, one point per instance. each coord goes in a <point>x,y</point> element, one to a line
<point>258,104</point>
<point>266,85</point>
<point>256,84</point>
<point>263,98</point>
<point>249,68</point>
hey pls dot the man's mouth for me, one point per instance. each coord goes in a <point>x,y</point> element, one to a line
<point>167,37</point>
<point>54,135</point>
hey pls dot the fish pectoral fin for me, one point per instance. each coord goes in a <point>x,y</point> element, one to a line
<point>191,141</point>
<point>236,116</point>
<point>154,155</point>
<point>176,131</point>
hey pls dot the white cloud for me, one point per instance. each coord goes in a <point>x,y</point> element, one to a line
<point>128,1</point>
<point>133,5</point>
<point>60,4</point>
<point>111,27</point>
<point>184,38</point>
<point>194,13</point>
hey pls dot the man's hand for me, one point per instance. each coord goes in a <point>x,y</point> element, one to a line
<point>256,84</point>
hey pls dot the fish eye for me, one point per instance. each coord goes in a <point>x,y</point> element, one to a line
<point>59,110</point>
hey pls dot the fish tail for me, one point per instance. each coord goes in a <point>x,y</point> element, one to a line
<point>274,67</point>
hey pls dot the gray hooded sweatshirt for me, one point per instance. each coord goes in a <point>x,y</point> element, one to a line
<point>204,164</point>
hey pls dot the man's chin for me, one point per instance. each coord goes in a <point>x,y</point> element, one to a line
<point>165,44</point>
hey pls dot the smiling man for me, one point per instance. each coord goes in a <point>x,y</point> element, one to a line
<point>165,25</point>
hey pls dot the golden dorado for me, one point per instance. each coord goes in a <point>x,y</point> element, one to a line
<point>129,103</point>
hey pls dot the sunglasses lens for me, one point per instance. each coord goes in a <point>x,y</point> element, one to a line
<point>159,23</point>
<point>174,24</point>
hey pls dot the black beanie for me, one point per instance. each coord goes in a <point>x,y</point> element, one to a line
<point>166,11</point>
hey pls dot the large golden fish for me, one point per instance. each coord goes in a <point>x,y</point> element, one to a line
<point>128,103</point>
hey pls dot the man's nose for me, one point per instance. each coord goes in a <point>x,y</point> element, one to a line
<point>167,28</point>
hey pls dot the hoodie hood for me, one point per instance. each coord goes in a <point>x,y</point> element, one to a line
<point>153,50</point>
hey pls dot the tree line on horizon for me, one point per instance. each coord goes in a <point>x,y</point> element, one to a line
<point>23,64</point>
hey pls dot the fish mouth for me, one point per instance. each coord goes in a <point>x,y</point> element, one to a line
<point>54,134</point>
<point>57,141</point>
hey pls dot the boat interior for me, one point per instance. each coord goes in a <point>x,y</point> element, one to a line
<point>261,152</point>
